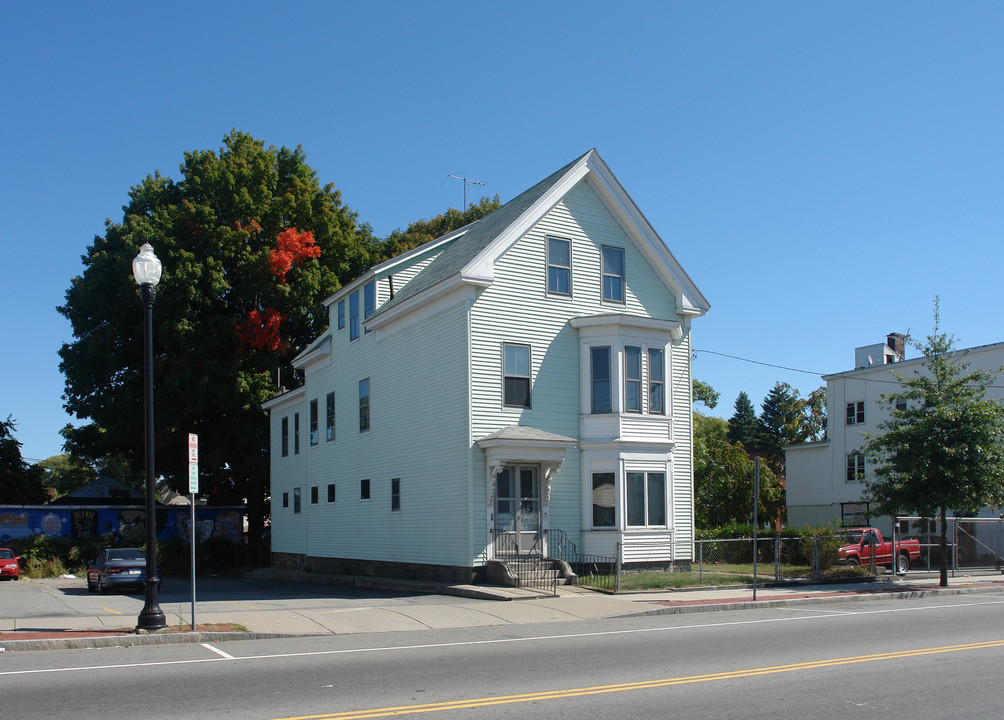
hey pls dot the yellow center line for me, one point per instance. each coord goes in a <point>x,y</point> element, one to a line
<point>640,685</point>
<point>252,607</point>
<point>108,609</point>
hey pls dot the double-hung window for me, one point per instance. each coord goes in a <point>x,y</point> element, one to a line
<point>632,379</point>
<point>599,367</point>
<point>353,316</point>
<point>364,405</point>
<point>656,381</point>
<point>330,416</point>
<point>613,274</point>
<point>331,492</point>
<point>364,489</point>
<point>646,499</point>
<point>604,500</point>
<point>341,314</point>
<point>855,413</point>
<point>296,500</point>
<point>285,437</point>
<point>313,494</point>
<point>855,467</point>
<point>296,433</point>
<point>516,375</point>
<point>559,266</point>
<point>313,422</point>
<point>369,299</point>
<point>395,495</point>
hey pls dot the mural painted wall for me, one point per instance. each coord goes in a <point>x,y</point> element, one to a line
<point>120,526</point>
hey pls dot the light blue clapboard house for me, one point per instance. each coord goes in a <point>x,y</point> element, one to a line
<point>521,383</point>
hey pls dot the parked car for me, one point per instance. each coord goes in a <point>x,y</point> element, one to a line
<point>10,565</point>
<point>117,568</point>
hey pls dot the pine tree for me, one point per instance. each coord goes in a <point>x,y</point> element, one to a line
<point>743,423</point>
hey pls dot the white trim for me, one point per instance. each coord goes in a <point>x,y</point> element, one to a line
<point>379,271</point>
<point>285,399</point>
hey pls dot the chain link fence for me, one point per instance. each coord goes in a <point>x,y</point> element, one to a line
<point>973,545</point>
<point>714,562</point>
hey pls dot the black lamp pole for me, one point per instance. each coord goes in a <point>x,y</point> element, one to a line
<point>151,617</point>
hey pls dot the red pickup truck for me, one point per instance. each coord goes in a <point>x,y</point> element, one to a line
<point>859,544</point>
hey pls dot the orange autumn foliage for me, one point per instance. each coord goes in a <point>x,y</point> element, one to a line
<point>291,248</point>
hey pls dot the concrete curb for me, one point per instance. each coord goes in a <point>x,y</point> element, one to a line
<point>105,641</point>
<point>790,602</point>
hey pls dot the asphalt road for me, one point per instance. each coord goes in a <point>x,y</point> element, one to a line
<point>935,657</point>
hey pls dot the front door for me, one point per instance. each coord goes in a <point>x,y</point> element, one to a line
<point>517,510</point>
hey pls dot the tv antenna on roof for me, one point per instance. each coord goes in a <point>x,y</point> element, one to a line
<point>466,182</point>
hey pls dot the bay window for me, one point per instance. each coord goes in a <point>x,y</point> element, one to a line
<point>600,374</point>
<point>646,499</point>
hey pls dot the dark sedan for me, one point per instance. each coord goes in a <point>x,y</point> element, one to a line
<point>117,568</point>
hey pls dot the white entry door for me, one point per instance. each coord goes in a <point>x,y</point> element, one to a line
<point>517,509</point>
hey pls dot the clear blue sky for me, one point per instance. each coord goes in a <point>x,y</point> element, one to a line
<point>821,170</point>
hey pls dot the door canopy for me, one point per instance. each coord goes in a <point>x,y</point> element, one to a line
<point>523,444</point>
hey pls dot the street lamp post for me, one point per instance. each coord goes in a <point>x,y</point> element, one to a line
<point>146,269</point>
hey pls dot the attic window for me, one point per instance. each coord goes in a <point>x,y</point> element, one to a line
<point>559,266</point>
<point>613,274</point>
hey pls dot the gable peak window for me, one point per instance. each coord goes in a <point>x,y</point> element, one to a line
<point>559,266</point>
<point>516,375</point>
<point>613,273</point>
<point>341,314</point>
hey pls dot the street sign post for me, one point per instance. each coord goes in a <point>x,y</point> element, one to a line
<point>193,488</point>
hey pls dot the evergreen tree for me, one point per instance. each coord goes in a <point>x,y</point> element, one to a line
<point>20,483</point>
<point>743,423</point>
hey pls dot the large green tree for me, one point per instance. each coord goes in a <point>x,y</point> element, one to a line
<point>251,243</point>
<point>944,450</point>
<point>723,486</point>
<point>20,483</point>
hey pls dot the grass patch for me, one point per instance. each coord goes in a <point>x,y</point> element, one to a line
<point>716,575</point>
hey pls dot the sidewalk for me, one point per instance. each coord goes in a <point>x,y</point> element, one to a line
<point>487,606</point>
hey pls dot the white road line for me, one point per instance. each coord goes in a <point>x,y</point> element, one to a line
<point>226,656</point>
<point>499,641</point>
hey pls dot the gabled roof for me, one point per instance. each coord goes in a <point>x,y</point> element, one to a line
<point>471,256</point>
